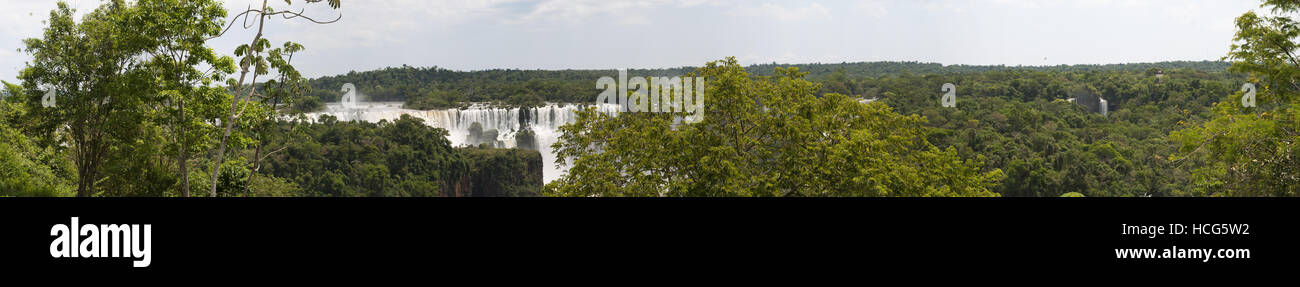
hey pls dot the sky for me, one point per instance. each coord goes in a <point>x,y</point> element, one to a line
<point>616,34</point>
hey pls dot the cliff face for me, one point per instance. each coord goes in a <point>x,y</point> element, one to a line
<point>461,188</point>
<point>500,172</point>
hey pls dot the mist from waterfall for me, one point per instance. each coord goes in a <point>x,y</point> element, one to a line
<point>497,127</point>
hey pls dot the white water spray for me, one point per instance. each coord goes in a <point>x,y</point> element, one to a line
<point>543,121</point>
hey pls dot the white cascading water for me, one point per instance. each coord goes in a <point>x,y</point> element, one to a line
<point>544,121</point>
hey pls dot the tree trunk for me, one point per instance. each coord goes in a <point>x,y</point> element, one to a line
<point>83,185</point>
<point>221,150</point>
<point>85,180</point>
<point>257,164</point>
<point>86,170</point>
<point>234,103</point>
<point>184,155</point>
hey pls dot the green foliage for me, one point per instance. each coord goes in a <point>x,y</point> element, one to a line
<point>1252,151</point>
<point>233,178</point>
<point>256,60</point>
<point>765,136</point>
<point>504,172</point>
<point>1018,120</point>
<point>399,158</point>
<point>264,186</point>
<point>306,104</point>
<point>437,88</point>
<point>102,87</point>
<point>26,168</point>
<point>137,108</point>
<point>526,139</point>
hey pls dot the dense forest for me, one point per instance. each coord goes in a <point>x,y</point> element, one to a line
<point>115,103</point>
<point>1016,118</point>
<point>401,158</point>
<point>1013,119</point>
<point>1021,123</point>
<point>1016,121</point>
<point>129,101</point>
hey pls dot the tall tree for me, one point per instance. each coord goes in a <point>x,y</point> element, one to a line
<point>99,85</point>
<point>188,99</point>
<point>257,60</point>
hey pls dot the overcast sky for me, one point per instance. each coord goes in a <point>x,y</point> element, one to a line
<point>609,34</point>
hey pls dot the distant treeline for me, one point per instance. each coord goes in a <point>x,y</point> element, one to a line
<point>1020,122</point>
<point>431,88</point>
<point>875,69</point>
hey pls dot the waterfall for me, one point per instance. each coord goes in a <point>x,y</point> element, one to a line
<point>504,123</point>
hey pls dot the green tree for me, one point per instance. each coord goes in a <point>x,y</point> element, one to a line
<point>257,60</point>
<point>404,157</point>
<point>26,167</point>
<point>93,69</point>
<point>118,77</point>
<point>764,136</point>
<point>188,99</point>
<point>1252,151</point>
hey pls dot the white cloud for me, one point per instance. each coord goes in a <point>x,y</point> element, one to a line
<point>10,63</point>
<point>871,8</point>
<point>942,6</point>
<point>24,19</point>
<point>578,11</point>
<point>779,12</point>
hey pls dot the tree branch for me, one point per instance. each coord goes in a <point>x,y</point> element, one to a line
<point>262,13</point>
